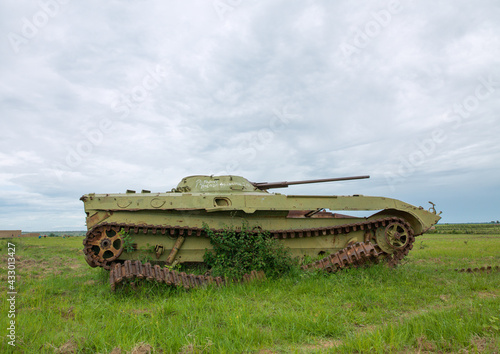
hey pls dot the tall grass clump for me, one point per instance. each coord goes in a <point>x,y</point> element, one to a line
<point>237,252</point>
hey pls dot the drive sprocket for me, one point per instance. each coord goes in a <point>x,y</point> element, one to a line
<point>104,247</point>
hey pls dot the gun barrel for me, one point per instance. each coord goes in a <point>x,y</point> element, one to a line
<point>284,184</point>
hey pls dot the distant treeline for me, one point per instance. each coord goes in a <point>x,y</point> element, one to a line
<point>62,233</point>
<point>485,229</point>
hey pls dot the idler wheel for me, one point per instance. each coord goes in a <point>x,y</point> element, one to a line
<point>107,247</point>
<point>396,235</point>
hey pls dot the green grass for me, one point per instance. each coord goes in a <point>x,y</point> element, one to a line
<point>423,305</point>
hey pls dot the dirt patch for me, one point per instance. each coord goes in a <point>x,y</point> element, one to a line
<point>143,313</point>
<point>74,266</point>
<point>68,313</point>
<point>193,348</point>
<point>116,351</point>
<point>444,298</point>
<point>40,269</point>
<point>477,345</point>
<point>482,345</point>
<point>140,311</point>
<point>424,345</point>
<point>484,295</point>
<point>365,328</point>
<point>67,348</point>
<point>326,344</point>
<point>32,267</point>
<point>429,260</point>
<point>141,348</point>
<point>265,329</point>
<point>26,263</point>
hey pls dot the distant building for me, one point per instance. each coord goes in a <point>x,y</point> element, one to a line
<point>30,234</point>
<point>10,233</point>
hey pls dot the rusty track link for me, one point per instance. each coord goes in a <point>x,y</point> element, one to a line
<point>364,253</point>
<point>351,256</point>
<point>487,269</point>
<point>132,270</point>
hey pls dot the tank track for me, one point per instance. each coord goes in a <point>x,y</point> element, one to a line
<point>132,270</point>
<point>353,255</point>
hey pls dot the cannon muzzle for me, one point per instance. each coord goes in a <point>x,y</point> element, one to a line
<point>284,184</point>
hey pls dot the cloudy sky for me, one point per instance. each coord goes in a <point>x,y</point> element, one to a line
<point>108,96</point>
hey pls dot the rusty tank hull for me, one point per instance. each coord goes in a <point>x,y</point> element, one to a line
<point>169,227</point>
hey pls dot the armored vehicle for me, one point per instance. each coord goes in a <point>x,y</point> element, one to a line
<point>125,230</point>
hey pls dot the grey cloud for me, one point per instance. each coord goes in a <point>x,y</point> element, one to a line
<point>80,113</point>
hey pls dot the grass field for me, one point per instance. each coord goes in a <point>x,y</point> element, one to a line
<point>64,306</point>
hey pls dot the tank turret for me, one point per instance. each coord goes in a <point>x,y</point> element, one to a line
<point>218,184</point>
<point>214,184</point>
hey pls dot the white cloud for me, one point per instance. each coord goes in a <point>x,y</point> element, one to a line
<point>80,113</point>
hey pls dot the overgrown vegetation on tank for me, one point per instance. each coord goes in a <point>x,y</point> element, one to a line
<point>238,252</point>
<point>128,243</point>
